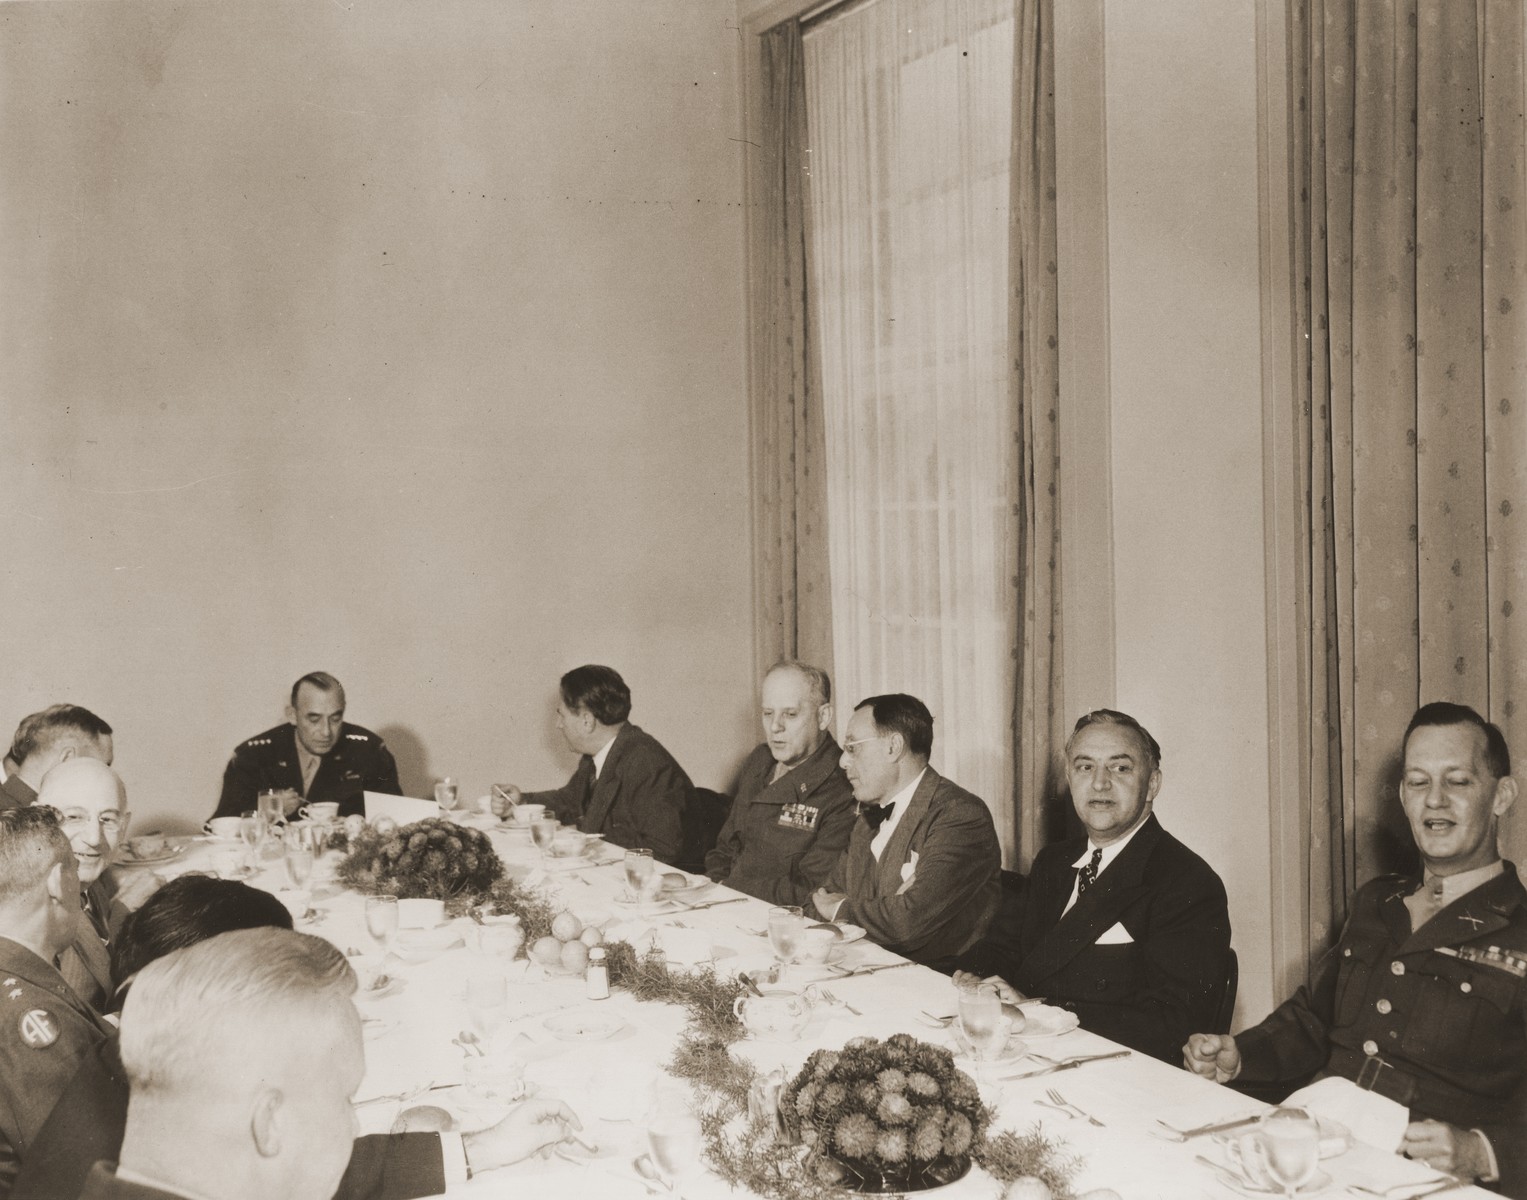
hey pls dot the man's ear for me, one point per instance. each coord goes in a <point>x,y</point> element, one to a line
<point>1505,796</point>
<point>291,714</point>
<point>67,753</point>
<point>824,717</point>
<point>265,1122</point>
<point>56,885</point>
<point>1153,786</point>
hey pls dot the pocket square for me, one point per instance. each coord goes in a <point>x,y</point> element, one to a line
<point>908,873</point>
<point>1114,935</point>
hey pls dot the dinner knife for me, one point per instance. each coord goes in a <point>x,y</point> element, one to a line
<point>847,972</point>
<point>1217,1127</point>
<point>711,903</point>
<point>1083,1060</point>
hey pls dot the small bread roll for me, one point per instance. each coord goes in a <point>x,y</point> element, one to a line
<point>423,1118</point>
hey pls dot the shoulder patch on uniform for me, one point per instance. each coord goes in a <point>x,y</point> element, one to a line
<point>38,1027</point>
<point>359,737</point>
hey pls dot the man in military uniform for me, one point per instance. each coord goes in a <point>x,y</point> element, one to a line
<point>47,738</point>
<point>316,756</point>
<point>794,808</point>
<point>46,1031</point>
<point>1425,998</point>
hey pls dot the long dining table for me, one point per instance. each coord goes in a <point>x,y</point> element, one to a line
<point>414,1050</point>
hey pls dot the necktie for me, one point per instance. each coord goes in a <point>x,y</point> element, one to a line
<point>876,814</point>
<point>1425,902</point>
<point>1088,875</point>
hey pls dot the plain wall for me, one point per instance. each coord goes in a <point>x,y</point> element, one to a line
<point>398,340</point>
<point>1186,434</point>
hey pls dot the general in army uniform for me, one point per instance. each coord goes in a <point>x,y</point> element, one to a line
<point>1425,998</point>
<point>46,1030</point>
<point>316,756</point>
<point>794,809</point>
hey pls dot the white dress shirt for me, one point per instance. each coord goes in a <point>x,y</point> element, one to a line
<point>902,800</point>
<point>1109,854</point>
<point>601,754</point>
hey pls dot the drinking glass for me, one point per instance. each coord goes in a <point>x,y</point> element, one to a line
<point>269,806</point>
<point>1290,1140</point>
<point>982,1023</point>
<point>382,919</point>
<point>252,830</point>
<point>673,1137</point>
<point>542,832</point>
<point>786,924</point>
<point>445,794</point>
<point>299,865</point>
<point>639,869</point>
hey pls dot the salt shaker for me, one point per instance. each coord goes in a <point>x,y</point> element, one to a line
<point>597,977</point>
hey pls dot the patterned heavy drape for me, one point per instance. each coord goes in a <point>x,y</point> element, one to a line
<point>1411,235</point>
<point>793,603</point>
<point>1039,729</point>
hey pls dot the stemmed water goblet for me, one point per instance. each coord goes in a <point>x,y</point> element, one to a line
<point>786,925</point>
<point>982,1023</point>
<point>543,832</point>
<point>445,794</point>
<point>639,868</point>
<point>1290,1148</point>
<point>382,920</point>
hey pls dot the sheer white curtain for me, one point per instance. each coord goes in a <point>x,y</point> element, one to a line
<point>909,106</point>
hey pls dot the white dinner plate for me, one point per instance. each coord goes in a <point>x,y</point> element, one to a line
<point>583,1026</point>
<point>1047,1021</point>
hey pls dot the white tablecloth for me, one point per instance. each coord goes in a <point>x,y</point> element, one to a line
<point>612,1083</point>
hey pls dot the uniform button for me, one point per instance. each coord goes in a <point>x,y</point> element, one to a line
<point>1347,953</point>
<point>1383,1006</point>
<point>1370,1047</point>
<point>1393,1034</point>
<point>1465,986</point>
<point>1397,967</point>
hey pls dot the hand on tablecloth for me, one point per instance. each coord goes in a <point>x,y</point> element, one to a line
<point>1445,1147</point>
<point>1213,1055</point>
<point>1006,992</point>
<point>533,1126</point>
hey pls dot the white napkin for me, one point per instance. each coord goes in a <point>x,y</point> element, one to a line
<point>403,809</point>
<point>1373,1119</point>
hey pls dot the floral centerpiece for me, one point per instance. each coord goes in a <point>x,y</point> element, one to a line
<point>433,859</point>
<point>885,1116</point>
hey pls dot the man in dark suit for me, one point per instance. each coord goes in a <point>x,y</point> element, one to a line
<point>794,808</point>
<point>1126,927</point>
<point>922,872</point>
<point>47,738</point>
<point>315,756</point>
<point>1424,999</point>
<point>626,785</point>
<point>46,1030</point>
<point>87,1122</point>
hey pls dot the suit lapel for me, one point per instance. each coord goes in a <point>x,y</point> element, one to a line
<point>602,796</point>
<point>1097,910</point>
<point>291,764</point>
<point>898,850</point>
<point>1477,914</point>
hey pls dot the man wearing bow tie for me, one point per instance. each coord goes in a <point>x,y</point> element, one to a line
<point>1424,999</point>
<point>1126,927</point>
<point>922,869</point>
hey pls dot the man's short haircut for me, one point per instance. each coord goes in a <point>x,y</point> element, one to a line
<point>30,844</point>
<point>1444,712</point>
<point>903,714</point>
<point>1109,716</point>
<point>43,730</point>
<point>227,996</point>
<point>321,680</point>
<point>188,910</point>
<point>818,685</point>
<point>600,690</point>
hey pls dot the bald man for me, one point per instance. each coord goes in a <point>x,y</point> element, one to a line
<point>91,803</point>
<point>248,1043</point>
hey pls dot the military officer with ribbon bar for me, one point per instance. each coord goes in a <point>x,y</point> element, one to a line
<point>315,756</point>
<point>794,809</point>
<point>1425,998</point>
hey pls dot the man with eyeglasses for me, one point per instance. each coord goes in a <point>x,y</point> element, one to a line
<point>47,738</point>
<point>921,873</point>
<point>1124,926</point>
<point>92,811</point>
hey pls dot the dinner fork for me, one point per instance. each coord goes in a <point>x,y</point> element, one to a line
<point>831,999</point>
<point>1061,1102</point>
<point>1400,1191</point>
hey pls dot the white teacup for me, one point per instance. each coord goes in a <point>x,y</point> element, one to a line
<point>224,829</point>
<point>324,812</point>
<point>817,944</point>
<point>526,815</point>
<point>568,843</point>
<point>420,914</point>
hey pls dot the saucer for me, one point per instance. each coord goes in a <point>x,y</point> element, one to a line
<point>584,1026</point>
<point>1015,1049</point>
<point>1047,1021</point>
